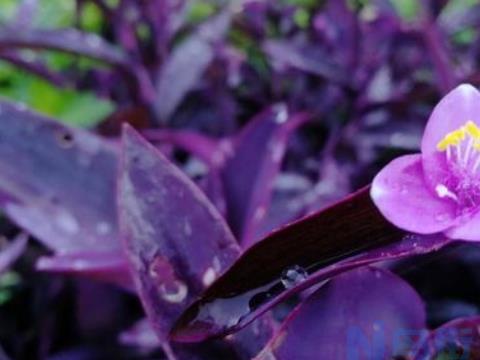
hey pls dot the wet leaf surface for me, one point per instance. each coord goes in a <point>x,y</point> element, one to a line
<point>347,235</point>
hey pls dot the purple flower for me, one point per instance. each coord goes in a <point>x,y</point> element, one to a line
<point>439,189</point>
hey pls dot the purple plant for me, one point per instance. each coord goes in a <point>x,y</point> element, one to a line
<point>223,211</point>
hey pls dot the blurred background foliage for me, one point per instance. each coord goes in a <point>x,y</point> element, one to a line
<point>77,108</point>
<point>83,108</point>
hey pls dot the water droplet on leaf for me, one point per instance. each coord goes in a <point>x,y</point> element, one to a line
<point>173,292</point>
<point>293,276</point>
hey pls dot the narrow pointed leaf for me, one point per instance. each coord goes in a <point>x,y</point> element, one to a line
<point>363,312</point>
<point>347,235</point>
<point>258,151</point>
<point>284,54</point>
<point>165,219</point>
<point>186,65</point>
<point>68,40</point>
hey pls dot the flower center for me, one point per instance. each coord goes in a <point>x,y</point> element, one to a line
<point>462,149</point>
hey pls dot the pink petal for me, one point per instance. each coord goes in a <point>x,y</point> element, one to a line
<point>469,230</point>
<point>458,107</point>
<point>402,196</point>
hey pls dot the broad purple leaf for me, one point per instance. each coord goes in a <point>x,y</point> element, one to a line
<point>186,65</point>
<point>366,313</point>
<point>457,339</point>
<point>61,181</point>
<point>176,240</point>
<point>316,248</point>
<point>68,40</point>
<point>12,251</point>
<point>250,172</point>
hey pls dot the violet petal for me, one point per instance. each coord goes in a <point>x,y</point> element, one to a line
<point>457,108</point>
<point>402,195</point>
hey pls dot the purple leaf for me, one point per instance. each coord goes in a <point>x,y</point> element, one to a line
<point>140,334</point>
<point>457,339</point>
<point>197,144</point>
<point>258,151</point>
<point>365,312</point>
<point>316,248</point>
<point>58,184</point>
<point>109,267</point>
<point>49,173</point>
<point>11,252</point>
<point>186,65</point>
<point>176,241</point>
<point>285,54</point>
<point>68,40</point>
<point>62,181</point>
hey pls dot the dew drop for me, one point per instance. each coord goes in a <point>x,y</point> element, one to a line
<point>103,228</point>
<point>259,213</point>
<point>67,222</point>
<point>209,277</point>
<point>281,115</point>
<point>173,292</point>
<point>217,265</point>
<point>293,276</point>
<point>187,228</point>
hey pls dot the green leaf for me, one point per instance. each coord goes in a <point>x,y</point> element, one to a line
<point>8,9</point>
<point>55,13</point>
<point>81,109</point>
<point>91,18</point>
<point>408,9</point>
<point>200,11</point>
<point>302,18</point>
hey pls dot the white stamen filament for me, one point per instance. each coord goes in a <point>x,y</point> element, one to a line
<point>444,192</point>
<point>459,154</point>
<point>468,151</point>
<point>476,165</point>
<point>449,152</point>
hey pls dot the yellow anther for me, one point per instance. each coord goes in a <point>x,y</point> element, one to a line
<point>454,138</point>
<point>473,130</point>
